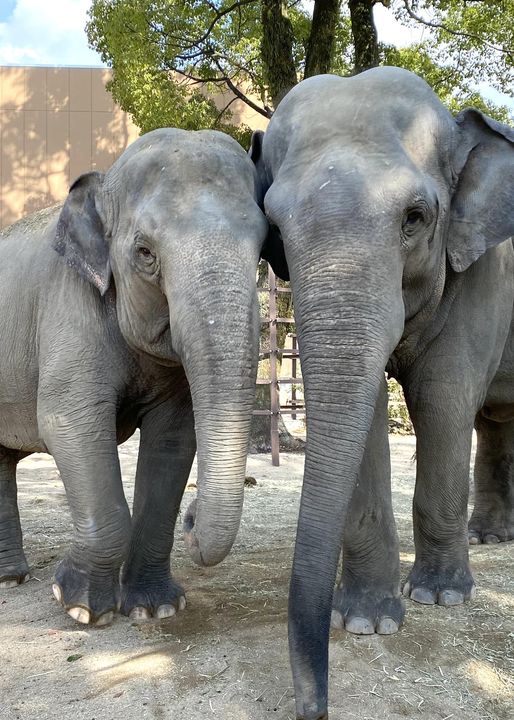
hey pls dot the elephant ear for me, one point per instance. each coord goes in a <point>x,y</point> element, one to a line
<point>482,210</point>
<point>255,153</point>
<point>273,248</point>
<point>273,252</point>
<point>80,234</point>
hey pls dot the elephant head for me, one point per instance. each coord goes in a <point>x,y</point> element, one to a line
<point>380,195</point>
<point>172,235</point>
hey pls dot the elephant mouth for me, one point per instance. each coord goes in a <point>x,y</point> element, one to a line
<point>160,347</point>
<point>163,332</point>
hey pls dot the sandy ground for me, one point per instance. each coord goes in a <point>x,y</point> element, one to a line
<point>226,655</point>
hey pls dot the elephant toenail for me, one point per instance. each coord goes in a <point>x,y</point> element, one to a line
<point>450,597</point>
<point>7,584</point>
<point>491,539</point>
<point>423,596</point>
<point>105,619</point>
<point>359,626</point>
<point>80,614</point>
<point>336,620</point>
<point>387,626</point>
<point>182,603</point>
<point>139,613</point>
<point>165,611</point>
<point>56,589</point>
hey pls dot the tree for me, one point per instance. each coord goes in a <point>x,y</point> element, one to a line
<point>169,57</point>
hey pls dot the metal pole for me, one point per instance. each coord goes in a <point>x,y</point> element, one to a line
<point>274,389</point>
<point>294,345</point>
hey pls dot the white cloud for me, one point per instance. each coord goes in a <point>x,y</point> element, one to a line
<point>46,32</point>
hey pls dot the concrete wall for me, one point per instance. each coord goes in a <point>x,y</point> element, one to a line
<point>55,123</point>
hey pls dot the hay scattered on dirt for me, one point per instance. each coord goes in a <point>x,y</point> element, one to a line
<point>226,655</point>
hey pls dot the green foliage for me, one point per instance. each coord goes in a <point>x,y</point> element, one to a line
<point>473,37</point>
<point>467,44</point>
<point>450,85</point>
<point>159,63</point>
<point>399,420</point>
<point>163,51</point>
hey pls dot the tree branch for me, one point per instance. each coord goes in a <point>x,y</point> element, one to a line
<point>219,15</point>
<point>262,111</point>
<point>224,79</point>
<point>221,112</point>
<point>457,33</point>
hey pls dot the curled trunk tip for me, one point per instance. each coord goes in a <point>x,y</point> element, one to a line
<point>203,554</point>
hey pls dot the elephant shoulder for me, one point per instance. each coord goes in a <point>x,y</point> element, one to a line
<point>35,224</point>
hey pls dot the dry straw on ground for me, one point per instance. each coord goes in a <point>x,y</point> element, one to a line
<point>226,655</point>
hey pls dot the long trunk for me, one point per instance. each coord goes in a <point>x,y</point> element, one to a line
<point>223,413</point>
<point>218,346</point>
<point>345,336</point>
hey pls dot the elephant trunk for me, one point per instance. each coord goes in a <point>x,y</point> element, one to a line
<point>219,351</point>
<point>223,412</point>
<point>346,336</point>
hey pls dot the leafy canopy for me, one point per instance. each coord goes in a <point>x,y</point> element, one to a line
<point>171,57</point>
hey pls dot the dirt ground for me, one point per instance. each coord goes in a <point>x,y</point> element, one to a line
<point>226,655</point>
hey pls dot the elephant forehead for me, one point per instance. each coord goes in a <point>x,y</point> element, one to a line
<point>196,212</point>
<point>378,113</point>
<point>180,165</point>
<point>348,173</point>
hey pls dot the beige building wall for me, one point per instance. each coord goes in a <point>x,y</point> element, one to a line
<point>59,122</point>
<point>55,123</point>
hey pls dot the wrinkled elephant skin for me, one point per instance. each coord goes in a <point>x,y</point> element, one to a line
<point>133,306</point>
<point>395,219</point>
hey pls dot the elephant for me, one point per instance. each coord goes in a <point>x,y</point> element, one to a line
<point>134,305</point>
<point>395,219</point>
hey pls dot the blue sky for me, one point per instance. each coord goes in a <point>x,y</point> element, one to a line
<point>51,32</point>
<point>45,32</point>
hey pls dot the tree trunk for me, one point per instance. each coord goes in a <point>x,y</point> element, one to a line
<point>320,47</point>
<point>277,49</point>
<point>364,34</point>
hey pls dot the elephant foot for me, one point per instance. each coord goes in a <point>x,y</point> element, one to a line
<point>491,528</point>
<point>156,600</point>
<point>363,611</point>
<point>489,535</point>
<point>13,575</point>
<point>88,599</point>
<point>439,586</point>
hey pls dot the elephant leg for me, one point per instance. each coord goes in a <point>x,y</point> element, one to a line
<point>14,569</point>
<point>368,598</point>
<point>166,453</point>
<point>492,520</point>
<point>443,422</point>
<point>83,443</point>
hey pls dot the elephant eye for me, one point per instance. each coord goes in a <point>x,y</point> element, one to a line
<point>413,219</point>
<point>145,258</point>
<point>144,254</point>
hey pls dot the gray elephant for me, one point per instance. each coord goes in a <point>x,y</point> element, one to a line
<point>146,313</point>
<point>394,217</point>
